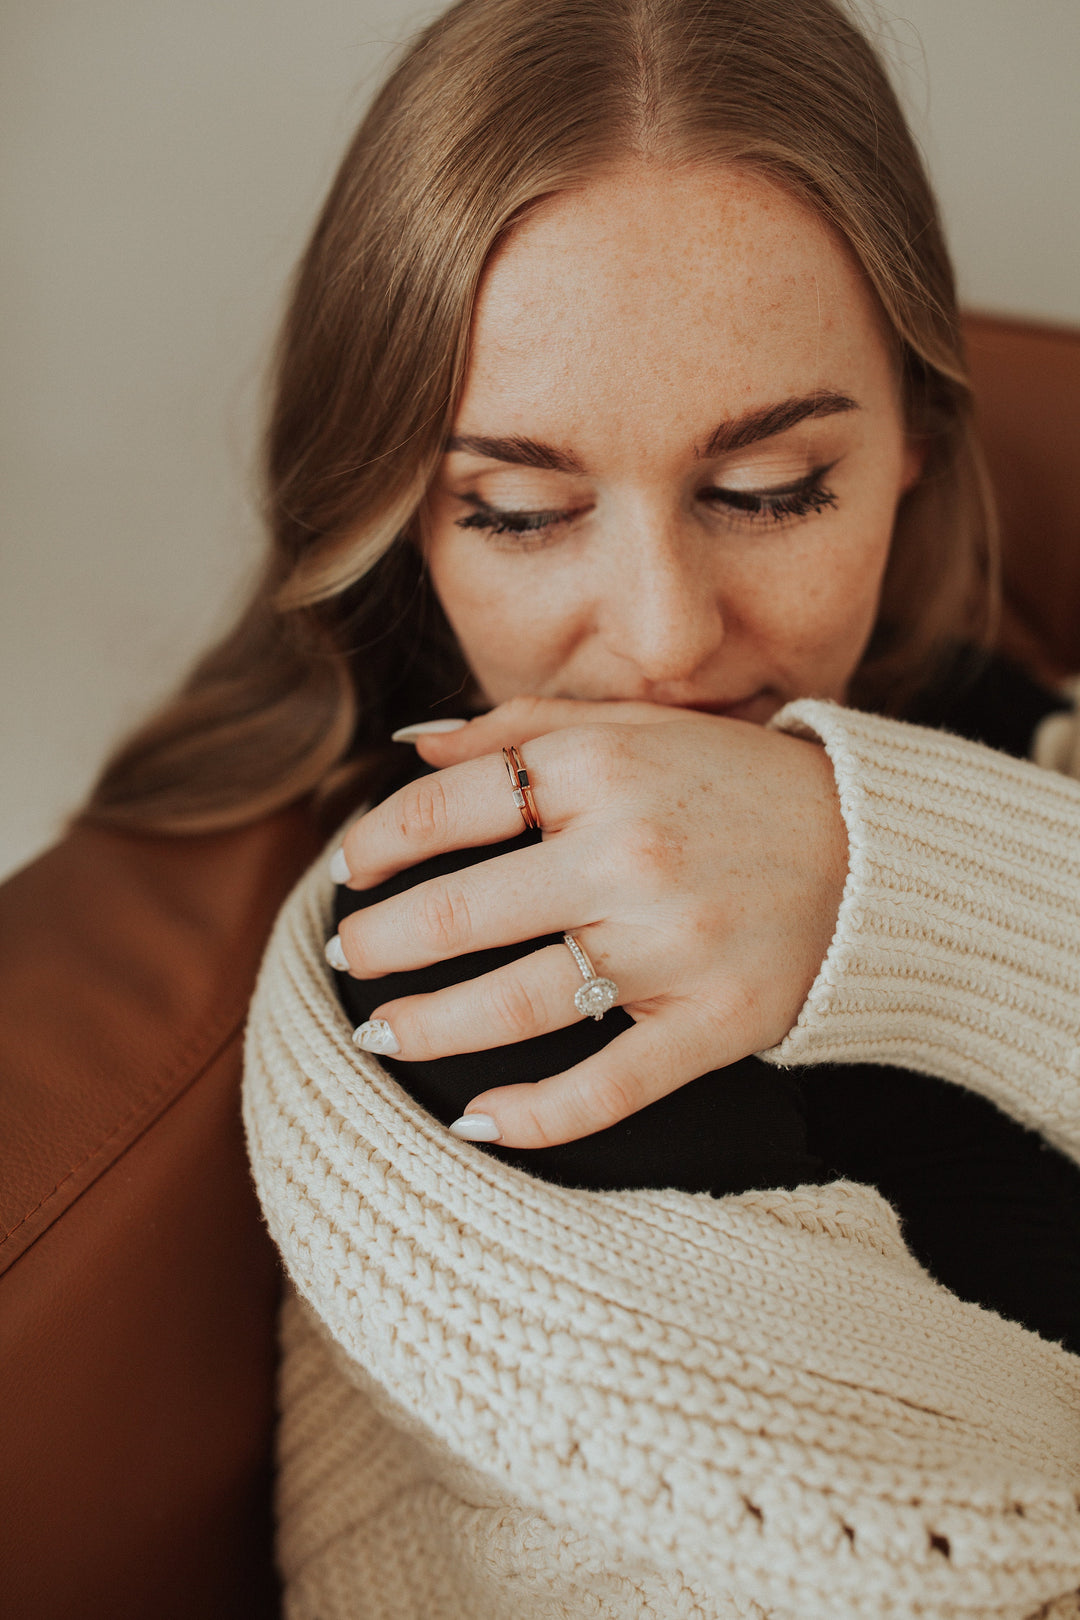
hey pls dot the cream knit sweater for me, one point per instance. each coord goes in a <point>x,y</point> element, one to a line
<point>505,1400</point>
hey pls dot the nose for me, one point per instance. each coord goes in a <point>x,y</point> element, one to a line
<point>663,610</point>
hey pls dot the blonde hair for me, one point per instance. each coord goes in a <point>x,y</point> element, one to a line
<point>497,104</point>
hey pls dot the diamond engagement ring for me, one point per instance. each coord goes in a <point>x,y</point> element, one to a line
<point>596,995</point>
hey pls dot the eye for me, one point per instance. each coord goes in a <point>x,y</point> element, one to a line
<point>495,520</point>
<point>529,528</point>
<point>795,500</point>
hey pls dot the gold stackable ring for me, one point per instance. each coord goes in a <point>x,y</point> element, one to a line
<point>519,782</point>
<point>596,996</point>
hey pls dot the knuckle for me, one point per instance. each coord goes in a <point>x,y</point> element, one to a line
<point>548,1118</point>
<point>611,1098</point>
<point>516,1009</point>
<point>650,861</point>
<point>611,744</point>
<point>423,813</point>
<point>641,858</point>
<point>648,849</point>
<point>442,916</point>
<point>539,1130</point>
<point>604,752</point>
<point>592,754</point>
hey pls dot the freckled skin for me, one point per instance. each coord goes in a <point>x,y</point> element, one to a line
<point>700,861</point>
<point>622,323</point>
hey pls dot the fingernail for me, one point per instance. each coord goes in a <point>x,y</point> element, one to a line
<point>426,728</point>
<point>335,954</point>
<point>339,867</point>
<point>476,1128</point>
<point>376,1036</point>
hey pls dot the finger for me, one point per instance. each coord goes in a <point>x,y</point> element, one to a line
<point>521,719</point>
<point>517,896</point>
<point>464,807</point>
<point>469,805</point>
<point>527,998</point>
<point>665,1049</point>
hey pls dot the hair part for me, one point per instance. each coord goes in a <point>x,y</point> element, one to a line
<point>498,104</point>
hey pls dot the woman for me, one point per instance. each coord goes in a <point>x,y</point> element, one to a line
<point>622,396</point>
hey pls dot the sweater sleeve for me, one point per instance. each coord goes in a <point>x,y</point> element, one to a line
<point>957,945</point>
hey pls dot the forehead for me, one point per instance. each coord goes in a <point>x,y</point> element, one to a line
<point>670,287</point>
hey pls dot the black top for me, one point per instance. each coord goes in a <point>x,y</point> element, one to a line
<point>956,1168</point>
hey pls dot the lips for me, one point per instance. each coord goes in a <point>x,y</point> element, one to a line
<point>735,708</point>
<point>757,705</point>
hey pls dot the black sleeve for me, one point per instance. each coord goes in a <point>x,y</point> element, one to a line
<point>988,699</point>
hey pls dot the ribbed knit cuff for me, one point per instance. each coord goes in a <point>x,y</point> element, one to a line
<point>957,946</point>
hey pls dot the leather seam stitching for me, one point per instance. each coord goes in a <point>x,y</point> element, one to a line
<point>153,1108</point>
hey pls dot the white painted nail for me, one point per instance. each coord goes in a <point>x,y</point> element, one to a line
<point>376,1036</point>
<point>426,728</point>
<point>476,1128</point>
<point>339,867</point>
<point>335,954</point>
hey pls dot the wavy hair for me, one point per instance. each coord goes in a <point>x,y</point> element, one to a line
<point>498,104</point>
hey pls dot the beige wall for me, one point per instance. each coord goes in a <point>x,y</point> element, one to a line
<point>160,162</point>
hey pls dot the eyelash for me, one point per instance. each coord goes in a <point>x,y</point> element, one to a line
<point>799,500</point>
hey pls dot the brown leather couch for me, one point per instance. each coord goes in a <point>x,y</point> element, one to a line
<point>138,1285</point>
<point>1027,383</point>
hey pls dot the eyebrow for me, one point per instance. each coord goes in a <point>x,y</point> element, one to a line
<point>520,452</point>
<point>769,420</point>
<point>735,434</point>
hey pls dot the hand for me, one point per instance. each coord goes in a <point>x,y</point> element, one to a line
<point>699,860</point>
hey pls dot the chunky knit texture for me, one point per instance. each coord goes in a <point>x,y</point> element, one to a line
<point>957,947</point>
<point>506,1400</point>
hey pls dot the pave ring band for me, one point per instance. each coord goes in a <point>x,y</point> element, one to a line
<point>596,996</point>
<point>519,782</point>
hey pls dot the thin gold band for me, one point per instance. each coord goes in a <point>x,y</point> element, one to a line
<point>522,790</point>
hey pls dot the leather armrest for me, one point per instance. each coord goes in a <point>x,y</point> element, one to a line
<point>138,1286</point>
<point>1027,391</point>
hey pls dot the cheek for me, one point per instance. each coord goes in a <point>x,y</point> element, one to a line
<point>515,627</point>
<point>855,553</point>
<point>815,609</point>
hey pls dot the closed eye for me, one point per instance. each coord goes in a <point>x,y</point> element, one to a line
<point>528,527</point>
<point>800,499</point>
<point>795,500</point>
<point>495,520</point>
